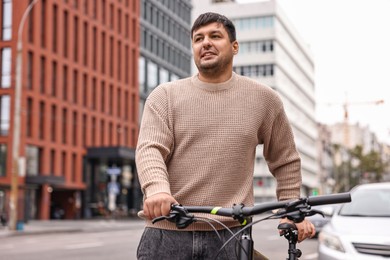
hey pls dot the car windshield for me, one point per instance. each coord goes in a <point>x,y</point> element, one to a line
<point>368,203</point>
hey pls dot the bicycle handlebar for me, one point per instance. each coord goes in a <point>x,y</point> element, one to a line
<point>295,210</point>
<point>289,205</point>
<point>329,199</point>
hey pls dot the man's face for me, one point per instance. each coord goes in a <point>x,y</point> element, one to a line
<point>212,49</point>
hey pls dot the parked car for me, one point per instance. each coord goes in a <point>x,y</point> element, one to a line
<point>359,229</point>
<point>320,221</point>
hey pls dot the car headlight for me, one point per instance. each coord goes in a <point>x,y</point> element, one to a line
<point>330,241</point>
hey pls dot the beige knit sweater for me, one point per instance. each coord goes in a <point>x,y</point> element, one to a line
<point>197,142</point>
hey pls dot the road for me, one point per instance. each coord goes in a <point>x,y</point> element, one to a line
<point>122,245</point>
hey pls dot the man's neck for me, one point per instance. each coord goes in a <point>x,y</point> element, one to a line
<point>213,78</point>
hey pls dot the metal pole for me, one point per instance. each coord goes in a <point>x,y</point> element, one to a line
<point>16,122</point>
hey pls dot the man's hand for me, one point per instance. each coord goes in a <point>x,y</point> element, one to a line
<point>305,229</point>
<point>158,205</point>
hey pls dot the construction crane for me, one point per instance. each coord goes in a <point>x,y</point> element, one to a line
<point>345,106</point>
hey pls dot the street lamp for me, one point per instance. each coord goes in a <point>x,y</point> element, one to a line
<point>16,121</point>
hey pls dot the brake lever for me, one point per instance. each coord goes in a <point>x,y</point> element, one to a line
<point>178,215</point>
<point>314,212</point>
<point>160,218</point>
<point>297,211</point>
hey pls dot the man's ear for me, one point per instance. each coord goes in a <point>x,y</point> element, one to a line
<point>235,47</point>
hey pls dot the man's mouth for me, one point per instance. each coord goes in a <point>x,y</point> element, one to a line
<point>207,54</point>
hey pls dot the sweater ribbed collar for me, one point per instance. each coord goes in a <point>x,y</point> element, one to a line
<point>214,86</point>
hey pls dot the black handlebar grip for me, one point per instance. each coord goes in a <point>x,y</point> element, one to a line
<point>329,199</point>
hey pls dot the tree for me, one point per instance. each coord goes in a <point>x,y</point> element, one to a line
<point>353,167</point>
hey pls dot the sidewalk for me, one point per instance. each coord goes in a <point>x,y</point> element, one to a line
<point>58,226</point>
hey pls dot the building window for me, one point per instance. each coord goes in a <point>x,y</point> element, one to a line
<point>4,114</point>
<point>103,11</point>
<point>75,38</point>
<point>64,125</point>
<point>102,96</point>
<point>110,99</point>
<point>119,53</point>
<point>126,136</point>
<point>55,15</point>
<point>7,20</point>
<point>3,162</point>
<point>74,167</point>
<point>94,48</point>
<point>127,105</point>
<point>6,67</point>
<point>127,60</point>
<point>94,94</point>
<point>85,90</point>
<point>119,21</point>
<point>42,75</point>
<point>75,86</point>
<point>65,39</point>
<point>54,79</point>
<point>111,16</point>
<point>53,123</point>
<point>102,124</point>
<point>30,62</point>
<point>52,161</point>
<point>31,27</point>
<point>163,75</point>
<point>133,108</point>
<point>119,103</point>
<point>103,52</point>
<point>42,116</point>
<point>255,70</point>
<point>84,129</point>
<point>93,132</point>
<point>65,82</point>
<point>33,160</point>
<point>151,76</point>
<point>43,23</point>
<point>30,112</point>
<point>111,62</point>
<point>63,162</point>
<point>85,33</point>
<point>110,134</point>
<point>141,74</point>
<point>127,26</point>
<point>74,128</point>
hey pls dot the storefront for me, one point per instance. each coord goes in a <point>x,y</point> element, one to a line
<point>112,187</point>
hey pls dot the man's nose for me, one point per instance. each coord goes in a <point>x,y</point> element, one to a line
<point>206,42</point>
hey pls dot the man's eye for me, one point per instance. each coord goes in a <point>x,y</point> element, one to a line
<point>197,39</point>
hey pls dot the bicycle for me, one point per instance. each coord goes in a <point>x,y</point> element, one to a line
<point>295,210</point>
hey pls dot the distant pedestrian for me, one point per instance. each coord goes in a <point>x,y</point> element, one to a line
<point>3,219</point>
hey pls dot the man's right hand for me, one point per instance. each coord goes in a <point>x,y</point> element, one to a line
<point>158,205</point>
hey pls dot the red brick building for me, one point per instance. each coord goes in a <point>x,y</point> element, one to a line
<point>79,106</point>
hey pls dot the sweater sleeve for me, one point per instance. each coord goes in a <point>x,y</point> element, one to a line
<point>282,157</point>
<point>154,145</point>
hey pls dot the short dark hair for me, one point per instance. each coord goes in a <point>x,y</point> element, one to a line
<point>207,18</point>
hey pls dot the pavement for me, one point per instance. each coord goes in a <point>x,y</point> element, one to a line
<point>34,227</point>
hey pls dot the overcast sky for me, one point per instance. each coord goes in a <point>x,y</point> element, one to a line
<point>350,42</point>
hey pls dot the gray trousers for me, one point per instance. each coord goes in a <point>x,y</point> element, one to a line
<point>186,245</point>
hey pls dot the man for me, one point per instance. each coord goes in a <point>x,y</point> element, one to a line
<point>197,146</point>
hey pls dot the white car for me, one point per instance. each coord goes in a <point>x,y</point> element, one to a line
<point>359,230</point>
